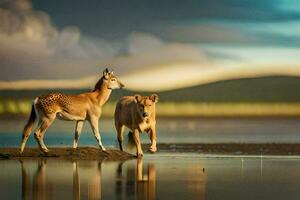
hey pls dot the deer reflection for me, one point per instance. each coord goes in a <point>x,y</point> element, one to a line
<point>39,189</point>
<point>137,183</point>
<point>93,190</point>
<point>25,183</point>
<point>76,182</point>
<point>41,186</point>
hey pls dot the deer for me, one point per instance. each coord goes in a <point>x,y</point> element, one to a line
<point>80,108</point>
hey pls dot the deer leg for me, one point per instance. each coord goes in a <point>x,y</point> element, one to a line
<point>94,125</point>
<point>39,134</point>
<point>79,125</point>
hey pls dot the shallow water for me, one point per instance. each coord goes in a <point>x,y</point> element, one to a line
<point>158,176</point>
<point>165,176</point>
<point>251,130</point>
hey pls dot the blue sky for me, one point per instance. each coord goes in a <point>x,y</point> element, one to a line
<point>214,39</point>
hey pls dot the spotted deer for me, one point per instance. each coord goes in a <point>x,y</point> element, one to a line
<point>79,108</point>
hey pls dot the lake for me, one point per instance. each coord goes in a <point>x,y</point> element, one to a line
<point>160,176</point>
<point>194,130</point>
<point>164,175</point>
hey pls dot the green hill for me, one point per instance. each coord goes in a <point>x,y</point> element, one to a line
<point>265,89</point>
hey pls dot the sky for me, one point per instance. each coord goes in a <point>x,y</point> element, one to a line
<point>152,45</point>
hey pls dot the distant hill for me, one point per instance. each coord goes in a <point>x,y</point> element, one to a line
<point>264,89</point>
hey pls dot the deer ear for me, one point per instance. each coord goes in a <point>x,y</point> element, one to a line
<point>154,98</point>
<point>137,98</point>
<point>105,73</point>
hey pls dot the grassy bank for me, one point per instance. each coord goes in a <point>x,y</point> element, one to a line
<point>184,109</point>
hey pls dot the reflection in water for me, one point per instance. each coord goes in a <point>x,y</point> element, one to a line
<point>137,182</point>
<point>76,182</point>
<point>146,184</point>
<point>40,188</point>
<point>93,186</point>
<point>154,177</point>
<point>142,187</point>
<point>25,183</point>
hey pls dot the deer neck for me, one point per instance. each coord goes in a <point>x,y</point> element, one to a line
<point>103,94</point>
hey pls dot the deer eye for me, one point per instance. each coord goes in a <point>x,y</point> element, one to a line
<point>113,79</point>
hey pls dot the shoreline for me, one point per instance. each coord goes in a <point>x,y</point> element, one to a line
<point>65,153</point>
<point>93,153</point>
<point>166,117</point>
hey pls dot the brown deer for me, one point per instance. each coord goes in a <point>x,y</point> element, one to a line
<point>81,107</point>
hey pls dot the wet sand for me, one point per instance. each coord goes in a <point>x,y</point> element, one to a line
<point>81,153</point>
<point>93,153</point>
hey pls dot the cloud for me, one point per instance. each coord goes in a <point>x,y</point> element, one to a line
<point>140,43</point>
<point>204,31</point>
<point>36,54</point>
<point>288,6</point>
<point>147,51</point>
<point>146,57</point>
<point>29,43</point>
<point>31,47</point>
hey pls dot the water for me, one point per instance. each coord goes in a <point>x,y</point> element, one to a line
<point>167,176</point>
<point>251,130</point>
<point>162,175</point>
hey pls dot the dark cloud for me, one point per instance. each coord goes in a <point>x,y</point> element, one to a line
<point>172,20</point>
<point>116,19</point>
<point>30,45</point>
